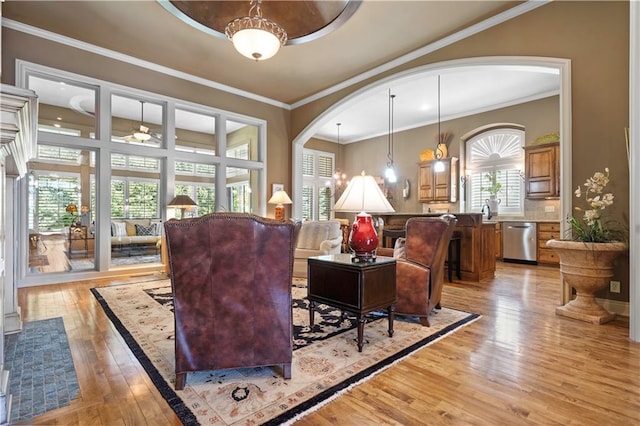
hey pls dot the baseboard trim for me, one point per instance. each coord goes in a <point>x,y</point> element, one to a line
<point>13,322</point>
<point>615,306</point>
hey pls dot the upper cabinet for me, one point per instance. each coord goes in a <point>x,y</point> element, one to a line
<point>438,187</point>
<point>542,171</point>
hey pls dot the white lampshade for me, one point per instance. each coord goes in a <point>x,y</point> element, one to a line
<point>280,197</point>
<point>363,194</point>
<point>256,44</point>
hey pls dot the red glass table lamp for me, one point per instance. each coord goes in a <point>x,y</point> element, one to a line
<point>363,194</point>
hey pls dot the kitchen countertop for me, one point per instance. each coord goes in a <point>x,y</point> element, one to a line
<point>500,220</point>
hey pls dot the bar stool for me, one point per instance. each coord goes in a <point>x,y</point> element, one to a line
<point>389,237</point>
<point>454,245</point>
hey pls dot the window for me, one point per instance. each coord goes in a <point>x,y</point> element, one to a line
<point>197,180</point>
<point>317,185</point>
<point>52,194</point>
<point>181,134</point>
<point>195,132</point>
<point>136,121</point>
<point>135,187</point>
<point>65,107</point>
<point>496,154</point>
<point>134,199</point>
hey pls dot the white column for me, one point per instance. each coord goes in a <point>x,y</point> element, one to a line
<point>634,170</point>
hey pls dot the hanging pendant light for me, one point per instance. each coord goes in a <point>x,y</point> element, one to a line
<point>438,166</point>
<point>390,173</point>
<point>254,36</point>
<point>339,178</point>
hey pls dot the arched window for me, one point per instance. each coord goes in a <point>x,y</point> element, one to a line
<point>494,162</point>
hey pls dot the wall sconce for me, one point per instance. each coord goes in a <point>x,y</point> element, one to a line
<point>340,183</point>
<point>463,180</point>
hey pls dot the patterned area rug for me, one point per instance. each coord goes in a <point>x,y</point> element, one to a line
<point>42,376</point>
<point>326,361</point>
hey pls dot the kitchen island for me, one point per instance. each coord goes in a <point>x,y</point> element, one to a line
<point>477,242</point>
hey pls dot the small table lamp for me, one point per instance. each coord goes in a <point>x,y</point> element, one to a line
<point>182,202</point>
<point>279,198</point>
<point>363,193</point>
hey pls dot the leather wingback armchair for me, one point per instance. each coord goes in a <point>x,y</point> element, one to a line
<point>420,258</point>
<point>231,279</point>
<point>316,238</point>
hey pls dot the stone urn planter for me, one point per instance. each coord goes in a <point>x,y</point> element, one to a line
<point>587,267</point>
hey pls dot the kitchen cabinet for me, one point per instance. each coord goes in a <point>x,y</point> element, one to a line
<point>438,187</point>
<point>548,231</point>
<point>542,171</point>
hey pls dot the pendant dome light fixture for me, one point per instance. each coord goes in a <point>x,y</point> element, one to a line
<point>390,173</point>
<point>340,181</point>
<point>254,36</point>
<point>438,166</point>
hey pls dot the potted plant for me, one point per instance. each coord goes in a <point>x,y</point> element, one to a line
<point>586,260</point>
<point>493,189</point>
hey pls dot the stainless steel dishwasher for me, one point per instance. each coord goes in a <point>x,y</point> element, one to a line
<point>519,243</point>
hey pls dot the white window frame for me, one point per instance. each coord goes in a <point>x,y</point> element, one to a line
<point>494,162</point>
<point>318,183</point>
<point>103,146</point>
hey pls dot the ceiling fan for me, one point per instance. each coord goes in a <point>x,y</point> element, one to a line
<point>142,133</point>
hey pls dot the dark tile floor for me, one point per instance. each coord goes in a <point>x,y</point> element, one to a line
<point>41,372</point>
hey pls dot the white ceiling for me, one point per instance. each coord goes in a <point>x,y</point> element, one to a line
<point>377,33</point>
<point>463,91</point>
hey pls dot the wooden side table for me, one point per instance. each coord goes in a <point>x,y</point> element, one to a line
<point>78,232</point>
<point>353,287</point>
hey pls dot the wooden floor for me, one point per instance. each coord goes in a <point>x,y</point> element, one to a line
<point>518,364</point>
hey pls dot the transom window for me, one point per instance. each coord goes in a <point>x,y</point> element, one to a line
<point>495,165</point>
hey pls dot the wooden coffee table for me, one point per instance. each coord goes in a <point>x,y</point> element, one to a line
<point>353,287</point>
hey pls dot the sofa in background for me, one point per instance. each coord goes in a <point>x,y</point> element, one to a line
<point>316,238</point>
<point>130,234</point>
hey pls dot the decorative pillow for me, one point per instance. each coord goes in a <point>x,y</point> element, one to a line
<point>146,230</point>
<point>399,250</point>
<point>118,229</point>
<point>131,225</point>
<point>158,228</point>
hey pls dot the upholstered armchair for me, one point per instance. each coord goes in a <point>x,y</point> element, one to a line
<point>231,279</point>
<point>316,238</point>
<point>420,266</point>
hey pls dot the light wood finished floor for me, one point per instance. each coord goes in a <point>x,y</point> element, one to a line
<point>518,364</point>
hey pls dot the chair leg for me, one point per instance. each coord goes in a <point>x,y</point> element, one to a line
<point>181,380</point>
<point>425,321</point>
<point>286,370</point>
